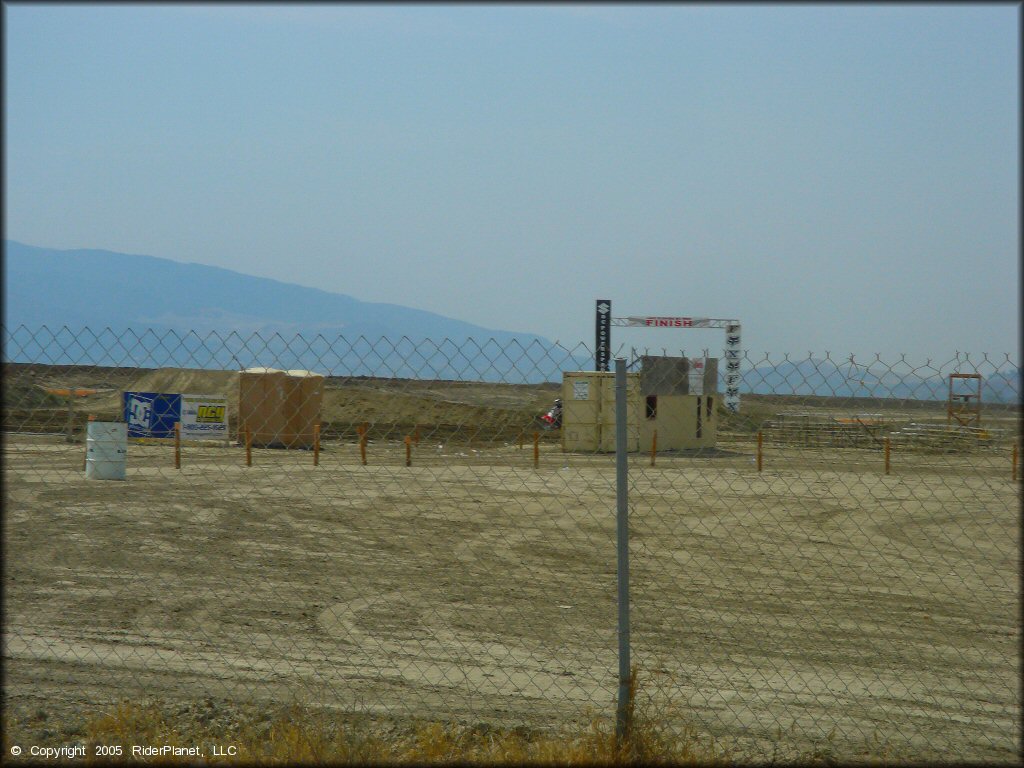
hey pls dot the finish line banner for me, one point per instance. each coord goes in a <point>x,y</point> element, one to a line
<point>674,322</point>
<point>154,414</point>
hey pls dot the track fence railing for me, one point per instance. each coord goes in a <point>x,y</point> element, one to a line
<point>415,529</point>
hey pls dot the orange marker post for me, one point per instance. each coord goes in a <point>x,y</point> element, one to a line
<point>760,451</point>
<point>361,429</point>
<point>536,450</point>
<point>888,448</point>
<point>316,445</point>
<point>177,445</point>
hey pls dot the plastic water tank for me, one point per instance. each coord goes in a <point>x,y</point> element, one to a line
<point>106,450</point>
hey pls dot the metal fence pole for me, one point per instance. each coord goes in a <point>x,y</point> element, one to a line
<point>622,535</point>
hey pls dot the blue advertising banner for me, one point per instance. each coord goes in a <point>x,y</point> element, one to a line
<point>151,414</point>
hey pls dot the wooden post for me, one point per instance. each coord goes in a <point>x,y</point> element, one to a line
<point>760,451</point>
<point>71,418</point>
<point>887,450</point>
<point>408,451</point>
<point>177,445</point>
<point>248,446</point>
<point>361,429</point>
<point>522,437</point>
<point>1014,475</point>
<point>316,445</point>
<point>536,450</point>
<point>654,446</point>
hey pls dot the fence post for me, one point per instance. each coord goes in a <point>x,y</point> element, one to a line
<point>408,450</point>
<point>623,707</point>
<point>362,429</point>
<point>316,445</point>
<point>177,445</point>
<point>71,416</point>
<point>654,446</point>
<point>760,453</point>
<point>536,450</point>
<point>1014,475</point>
<point>248,446</point>
<point>887,450</point>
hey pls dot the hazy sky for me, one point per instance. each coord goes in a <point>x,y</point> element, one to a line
<point>841,178</point>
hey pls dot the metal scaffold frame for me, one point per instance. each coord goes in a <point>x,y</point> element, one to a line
<point>732,351</point>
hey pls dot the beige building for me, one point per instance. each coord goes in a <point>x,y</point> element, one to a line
<point>673,396</point>
<point>588,411</point>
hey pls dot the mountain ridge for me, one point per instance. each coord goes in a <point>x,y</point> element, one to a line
<point>96,287</point>
<point>222,318</point>
<point>117,306</point>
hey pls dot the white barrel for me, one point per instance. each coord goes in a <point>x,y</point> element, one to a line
<point>106,450</point>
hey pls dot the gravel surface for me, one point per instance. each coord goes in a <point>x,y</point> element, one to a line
<point>819,608</point>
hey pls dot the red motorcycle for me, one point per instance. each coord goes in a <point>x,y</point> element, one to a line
<point>553,418</point>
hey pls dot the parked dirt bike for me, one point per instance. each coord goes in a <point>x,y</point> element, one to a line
<point>553,418</point>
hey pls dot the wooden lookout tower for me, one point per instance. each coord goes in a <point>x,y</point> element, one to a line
<point>964,407</point>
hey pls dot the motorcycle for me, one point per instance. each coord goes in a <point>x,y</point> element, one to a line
<point>553,418</point>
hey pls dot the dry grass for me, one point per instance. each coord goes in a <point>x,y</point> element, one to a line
<point>298,735</point>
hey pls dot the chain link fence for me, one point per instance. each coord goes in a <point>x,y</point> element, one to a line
<point>415,529</point>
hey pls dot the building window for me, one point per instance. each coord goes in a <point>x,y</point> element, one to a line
<point>652,406</point>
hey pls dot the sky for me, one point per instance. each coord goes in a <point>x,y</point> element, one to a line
<point>841,178</point>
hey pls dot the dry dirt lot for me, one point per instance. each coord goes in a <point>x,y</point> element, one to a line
<point>819,607</point>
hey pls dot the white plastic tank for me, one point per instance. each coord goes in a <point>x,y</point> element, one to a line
<point>106,450</point>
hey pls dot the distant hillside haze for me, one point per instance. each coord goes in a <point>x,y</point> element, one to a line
<point>219,319</point>
<point>96,289</point>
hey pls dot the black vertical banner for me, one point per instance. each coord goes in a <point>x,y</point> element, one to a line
<point>603,341</point>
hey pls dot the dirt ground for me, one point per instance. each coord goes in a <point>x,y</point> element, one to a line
<point>820,607</point>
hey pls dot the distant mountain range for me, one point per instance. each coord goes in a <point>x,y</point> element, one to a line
<point>1001,382</point>
<point>212,317</point>
<point>98,307</point>
<point>97,289</point>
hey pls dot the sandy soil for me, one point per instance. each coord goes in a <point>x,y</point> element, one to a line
<point>819,607</point>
